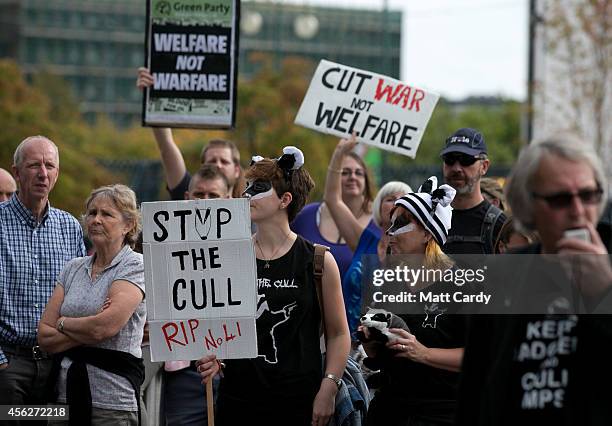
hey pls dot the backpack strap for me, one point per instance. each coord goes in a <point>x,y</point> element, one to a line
<point>488,228</point>
<point>463,239</point>
<point>318,268</point>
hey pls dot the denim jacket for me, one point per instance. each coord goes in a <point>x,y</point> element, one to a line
<point>352,399</point>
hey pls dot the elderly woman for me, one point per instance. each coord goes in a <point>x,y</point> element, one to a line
<point>552,367</point>
<point>361,239</point>
<point>287,384</point>
<point>420,367</point>
<point>96,315</point>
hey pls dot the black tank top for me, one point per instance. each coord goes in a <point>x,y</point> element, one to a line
<point>288,367</point>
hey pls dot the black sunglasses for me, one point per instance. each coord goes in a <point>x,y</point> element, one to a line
<point>464,159</point>
<point>563,200</point>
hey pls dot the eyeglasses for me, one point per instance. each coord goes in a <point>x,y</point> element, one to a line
<point>562,200</point>
<point>464,159</point>
<point>357,172</point>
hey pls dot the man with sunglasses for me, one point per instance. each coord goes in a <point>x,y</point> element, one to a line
<point>551,367</point>
<point>476,222</point>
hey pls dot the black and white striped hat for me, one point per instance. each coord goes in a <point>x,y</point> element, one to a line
<point>431,206</point>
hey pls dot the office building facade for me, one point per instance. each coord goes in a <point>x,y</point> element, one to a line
<point>97,45</point>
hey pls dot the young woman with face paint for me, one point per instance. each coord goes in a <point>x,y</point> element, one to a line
<point>287,384</point>
<point>419,368</point>
<point>361,239</point>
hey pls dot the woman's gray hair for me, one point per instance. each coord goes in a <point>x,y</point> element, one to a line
<point>389,188</point>
<point>124,200</point>
<point>519,189</point>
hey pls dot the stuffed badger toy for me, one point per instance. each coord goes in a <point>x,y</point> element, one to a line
<point>378,323</point>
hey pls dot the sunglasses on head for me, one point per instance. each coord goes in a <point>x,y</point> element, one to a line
<point>464,159</point>
<point>562,200</point>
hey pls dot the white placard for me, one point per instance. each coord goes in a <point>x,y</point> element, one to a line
<point>196,220</point>
<point>195,338</point>
<point>201,279</point>
<point>385,112</point>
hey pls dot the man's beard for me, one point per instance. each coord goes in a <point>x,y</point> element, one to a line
<point>469,183</point>
<point>231,181</point>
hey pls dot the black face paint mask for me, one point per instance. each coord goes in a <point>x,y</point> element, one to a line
<point>400,225</point>
<point>258,189</point>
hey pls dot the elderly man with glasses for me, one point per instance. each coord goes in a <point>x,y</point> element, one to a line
<point>476,222</point>
<point>551,366</point>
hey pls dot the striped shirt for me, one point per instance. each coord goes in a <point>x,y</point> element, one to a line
<point>31,257</point>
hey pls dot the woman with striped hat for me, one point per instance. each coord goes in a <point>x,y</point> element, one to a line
<point>420,367</point>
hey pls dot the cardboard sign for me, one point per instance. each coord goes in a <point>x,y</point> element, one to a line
<point>201,279</point>
<point>190,339</point>
<point>385,112</point>
<point>197,220</point>
<point>192,55</point>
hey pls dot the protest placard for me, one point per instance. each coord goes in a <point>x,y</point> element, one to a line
<point>201,279</point>
<point>384,112</point>
<point>192,52</point>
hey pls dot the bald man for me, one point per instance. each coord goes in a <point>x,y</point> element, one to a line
<point>7,185</point>
<point>36,241</point>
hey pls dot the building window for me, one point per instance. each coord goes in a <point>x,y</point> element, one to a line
<point>73,53</point>
<point>92,56</point>
<point>92,20</point>
<point>75,20</point>
<point>137,57</point>
<point>90,91</point>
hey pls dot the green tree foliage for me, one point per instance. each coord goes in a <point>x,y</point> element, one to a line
<point>499,123</point>
<point>26,110</point>
<point>266,108</point>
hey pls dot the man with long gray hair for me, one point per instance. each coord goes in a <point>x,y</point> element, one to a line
<point>551,367</point>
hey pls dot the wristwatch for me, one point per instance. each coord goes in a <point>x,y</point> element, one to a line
<point>334,379</point>
<point>60,325</point>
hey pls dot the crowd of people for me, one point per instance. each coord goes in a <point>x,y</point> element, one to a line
<point>73,326</point>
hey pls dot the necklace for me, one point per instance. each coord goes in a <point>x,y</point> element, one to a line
<point>267,264</point>
<point>97,270</point>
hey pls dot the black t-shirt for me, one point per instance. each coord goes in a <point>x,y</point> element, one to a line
<point>178,192</point>
<point>426,392</point>
<point>536,369</point>
<point>468,223</point>
<point>288,368</point>
<point>540,369</point>
<point>519,370</point>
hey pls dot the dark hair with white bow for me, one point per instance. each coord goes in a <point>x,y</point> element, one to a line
<point>286,174</point>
